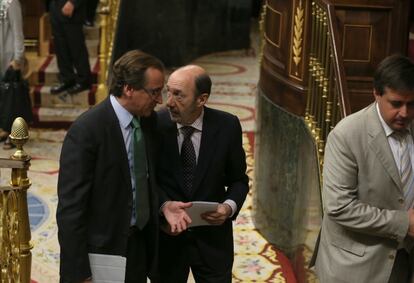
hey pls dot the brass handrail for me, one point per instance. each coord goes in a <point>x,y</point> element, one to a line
<point>327,100</point>
<point>262,28</point>
<point>108,11</point>
<point>15,246</point>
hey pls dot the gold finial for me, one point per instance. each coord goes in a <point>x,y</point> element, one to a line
<point>19,136</point>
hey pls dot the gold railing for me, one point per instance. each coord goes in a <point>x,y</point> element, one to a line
<point>15,246</point>
<point>262,23</point>
<point>108,12</point>
<point>327,100</point>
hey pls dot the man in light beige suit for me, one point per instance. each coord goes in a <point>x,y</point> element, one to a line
<point>368,225</point>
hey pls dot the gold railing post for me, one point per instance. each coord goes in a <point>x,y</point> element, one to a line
<point>19,136</point>
<point>262,30</point>
<point>9,237</point>
<point>15,246</point>
<point>102,90</point>
<point>109,10</point>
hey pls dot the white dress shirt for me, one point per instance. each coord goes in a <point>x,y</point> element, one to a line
<point>196,140</point>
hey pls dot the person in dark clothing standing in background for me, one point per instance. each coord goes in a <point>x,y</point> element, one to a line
<point>67,18</point>
<point>91,12</point>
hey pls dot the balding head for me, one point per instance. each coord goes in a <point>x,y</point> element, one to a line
<point>198,76</point>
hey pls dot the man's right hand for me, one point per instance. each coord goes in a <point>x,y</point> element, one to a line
<point>411,222</point>
<point>177,218</point>
<point>67,9</point>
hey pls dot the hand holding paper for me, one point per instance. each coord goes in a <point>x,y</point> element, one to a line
<point>218,216</point>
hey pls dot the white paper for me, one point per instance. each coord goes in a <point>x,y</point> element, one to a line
<point>107,268</point>
<point>198,208</point>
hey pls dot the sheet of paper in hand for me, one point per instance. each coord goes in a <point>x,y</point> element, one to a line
<point>198,208</point>
<point>107,268</point>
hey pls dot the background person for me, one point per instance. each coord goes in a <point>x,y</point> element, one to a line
<point>12,49</point>
<point>67,18</point>
<point>368,224</point>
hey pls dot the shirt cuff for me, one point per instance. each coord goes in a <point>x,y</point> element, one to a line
<point>162,206</point>
<point>233,206</point>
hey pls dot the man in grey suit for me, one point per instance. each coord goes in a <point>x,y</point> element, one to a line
<point>368,190</point>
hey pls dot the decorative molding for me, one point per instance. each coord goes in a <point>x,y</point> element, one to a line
<point>296,66</point>
<point>347,28</point>
<point>298,33</point>
<point>265,35</point>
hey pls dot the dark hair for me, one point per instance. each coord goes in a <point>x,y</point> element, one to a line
<point>395,72</point>
<point>202,85</point>
<point>130,70</point>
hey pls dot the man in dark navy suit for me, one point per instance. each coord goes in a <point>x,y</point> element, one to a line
<point>201,159</point>
<point>107,204</point>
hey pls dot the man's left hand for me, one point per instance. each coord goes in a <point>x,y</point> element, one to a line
<point>67,9</point>
<point>219,216</point>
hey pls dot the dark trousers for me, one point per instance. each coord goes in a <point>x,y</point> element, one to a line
<point>178,254</point>
<point>137,257</point>
<point>401,270</point>
<point>91,6</point>
<point>70,48</point>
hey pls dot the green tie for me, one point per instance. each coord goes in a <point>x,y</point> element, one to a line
<point>141,172</point>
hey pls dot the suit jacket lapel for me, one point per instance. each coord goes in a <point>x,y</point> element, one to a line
<point>207,148</point>
<point>114,130</point>
<point>171,144</point>
<point>379,144</point>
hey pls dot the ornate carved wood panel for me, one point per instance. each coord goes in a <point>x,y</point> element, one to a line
<point>284,65</point>
<point>369,31</point>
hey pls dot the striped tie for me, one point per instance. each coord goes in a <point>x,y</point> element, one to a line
<point>406,171</point>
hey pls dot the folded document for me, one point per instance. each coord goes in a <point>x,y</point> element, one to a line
<point>107,268</point>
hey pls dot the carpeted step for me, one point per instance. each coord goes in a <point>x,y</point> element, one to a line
<point>48,72</point>
<point>91,33</point>
<point>93,47</point>
<point>49,117</point>
<point>43,97</point>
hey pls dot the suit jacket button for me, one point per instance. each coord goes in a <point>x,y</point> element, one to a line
<point>391,256</point>
<point>401,200</point>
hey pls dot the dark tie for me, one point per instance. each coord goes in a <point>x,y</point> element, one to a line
<point>141,180</point>
<point>188,158</point>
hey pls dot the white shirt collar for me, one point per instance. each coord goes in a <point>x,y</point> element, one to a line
<point>123,115</point>
<point>197,124</point>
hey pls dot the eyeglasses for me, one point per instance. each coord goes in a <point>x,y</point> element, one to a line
<point>154,92</point>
